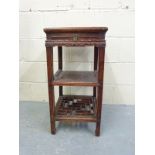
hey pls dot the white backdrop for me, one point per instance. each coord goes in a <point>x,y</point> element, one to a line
<point>117,15</point>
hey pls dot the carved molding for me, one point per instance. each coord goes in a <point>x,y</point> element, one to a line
<point>77,43</point>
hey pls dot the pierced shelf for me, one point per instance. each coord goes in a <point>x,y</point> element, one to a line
<point>76,108</point>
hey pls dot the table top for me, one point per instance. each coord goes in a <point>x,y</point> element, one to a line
<point>75,29</point>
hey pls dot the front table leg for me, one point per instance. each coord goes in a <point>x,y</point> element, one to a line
<point>101,53</point>
<point>49,54</point>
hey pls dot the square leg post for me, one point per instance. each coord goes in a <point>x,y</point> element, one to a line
<point>101,56</point>
<point>95,66</point>
<point>60,65</point>
<point>49,54</point>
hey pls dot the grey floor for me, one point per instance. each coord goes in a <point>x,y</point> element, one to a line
<point>117,133</point>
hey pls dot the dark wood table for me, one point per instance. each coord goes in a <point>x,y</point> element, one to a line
<point>80,108</point>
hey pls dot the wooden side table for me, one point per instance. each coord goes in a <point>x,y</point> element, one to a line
<point>73,107</point>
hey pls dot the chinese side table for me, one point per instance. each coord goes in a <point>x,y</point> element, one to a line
<point>79,108</point>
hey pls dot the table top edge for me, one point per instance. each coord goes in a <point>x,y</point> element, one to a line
<point>75,29</point>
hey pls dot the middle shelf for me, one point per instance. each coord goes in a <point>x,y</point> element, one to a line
<point>75,78</point>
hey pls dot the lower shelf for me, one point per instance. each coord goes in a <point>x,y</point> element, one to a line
<point>76,108</point>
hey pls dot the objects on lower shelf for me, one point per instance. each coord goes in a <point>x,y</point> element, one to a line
<point>79,99</point>
<point>91,111</point>
<point>70,102</point>
<point>91,105</point>
<point>75,106</point>
<point>65,104</point>
<point>75,100</point>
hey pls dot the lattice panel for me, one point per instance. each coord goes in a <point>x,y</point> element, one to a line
<point>75,106</point>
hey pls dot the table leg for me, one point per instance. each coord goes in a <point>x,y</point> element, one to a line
<point>49,54</point>
<point>60,65</point>
<point>95,66</point>
<point>101,51</point>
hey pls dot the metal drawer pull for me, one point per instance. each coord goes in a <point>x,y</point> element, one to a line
<point>75,37</point>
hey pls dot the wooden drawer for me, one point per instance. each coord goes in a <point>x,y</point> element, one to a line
<point>72,37</point>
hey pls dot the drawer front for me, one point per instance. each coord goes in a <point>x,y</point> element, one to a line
<point>75,39</point>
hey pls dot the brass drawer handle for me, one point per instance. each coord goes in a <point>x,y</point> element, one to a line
<point>75,37</point>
